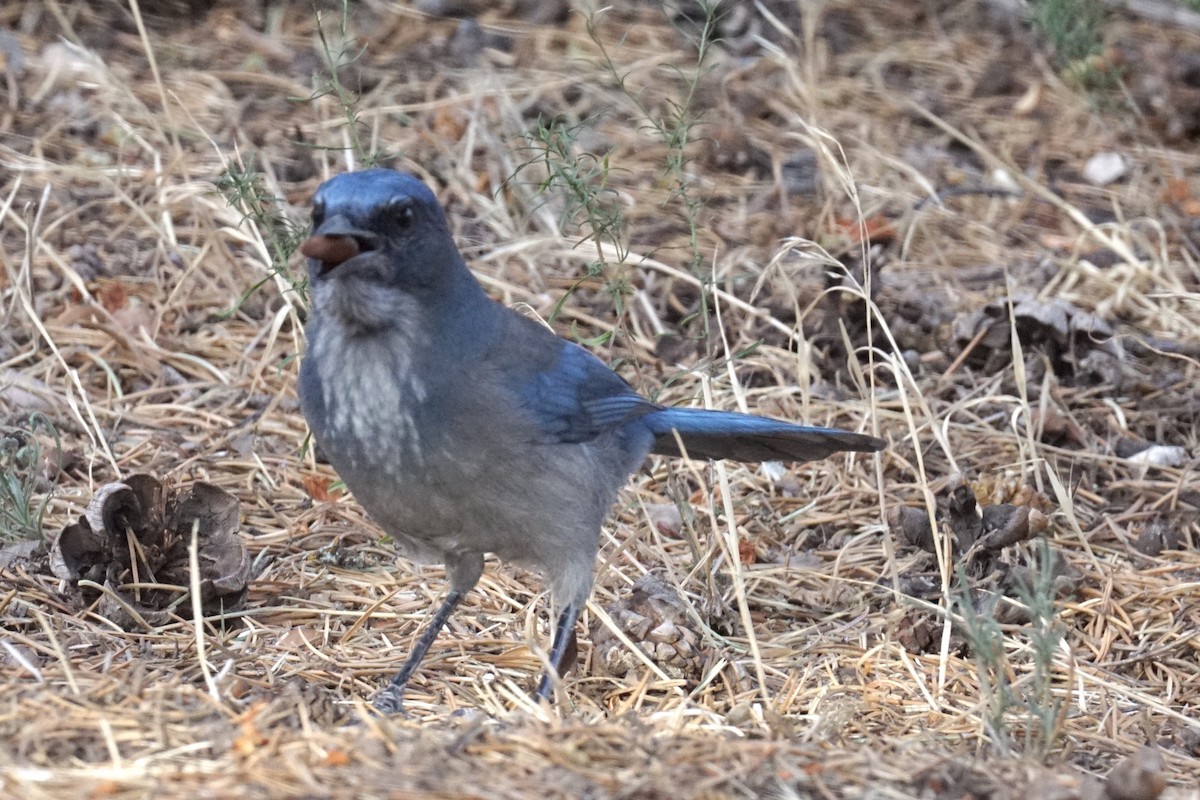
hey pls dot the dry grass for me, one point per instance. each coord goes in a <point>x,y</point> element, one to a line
<point>122,267</point>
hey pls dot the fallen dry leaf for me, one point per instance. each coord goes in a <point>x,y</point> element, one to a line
<point>319,487</point>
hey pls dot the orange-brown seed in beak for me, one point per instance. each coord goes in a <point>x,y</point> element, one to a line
<point>330,250</point>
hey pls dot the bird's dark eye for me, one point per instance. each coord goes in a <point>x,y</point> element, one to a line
<point>318,213</point>
<point>401,213</point>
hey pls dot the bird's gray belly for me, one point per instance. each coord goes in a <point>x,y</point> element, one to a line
<point>448,474</point>
<point>403,479</point>
<point>525,504</point>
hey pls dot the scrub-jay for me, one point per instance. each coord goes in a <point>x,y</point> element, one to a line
<point>465,428</point>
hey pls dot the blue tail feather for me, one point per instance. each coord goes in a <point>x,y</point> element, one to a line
<point>740,437</point>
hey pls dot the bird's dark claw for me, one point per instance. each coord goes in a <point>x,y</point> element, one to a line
<point>390,700</point>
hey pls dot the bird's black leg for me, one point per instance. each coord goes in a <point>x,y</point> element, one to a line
<point>391,699</point>
<point>564,636</point>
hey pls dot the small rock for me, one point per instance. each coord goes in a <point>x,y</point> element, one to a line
<point>1105,168</point>
<point>1159,455</point>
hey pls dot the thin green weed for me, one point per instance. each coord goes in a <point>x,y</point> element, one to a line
<point>245,187</point>
<point>1075,31</point>
<point>583,179</point>
<point>341,52</point>
<point>1017,685</point>
<point>20,462</point>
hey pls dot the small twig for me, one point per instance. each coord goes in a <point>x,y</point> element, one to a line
<point>1168,13</point>
<point>58,651</point>
<point>198,611</point>
<point>965,191</point>
<point>84,583</point>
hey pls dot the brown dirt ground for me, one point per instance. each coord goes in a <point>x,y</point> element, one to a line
<point>940,128</point>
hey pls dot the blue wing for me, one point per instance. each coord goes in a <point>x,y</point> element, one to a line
<point>575,397</point>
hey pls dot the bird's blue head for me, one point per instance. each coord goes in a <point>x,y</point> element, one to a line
<point>379,245</point>
<point>366,197</point>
